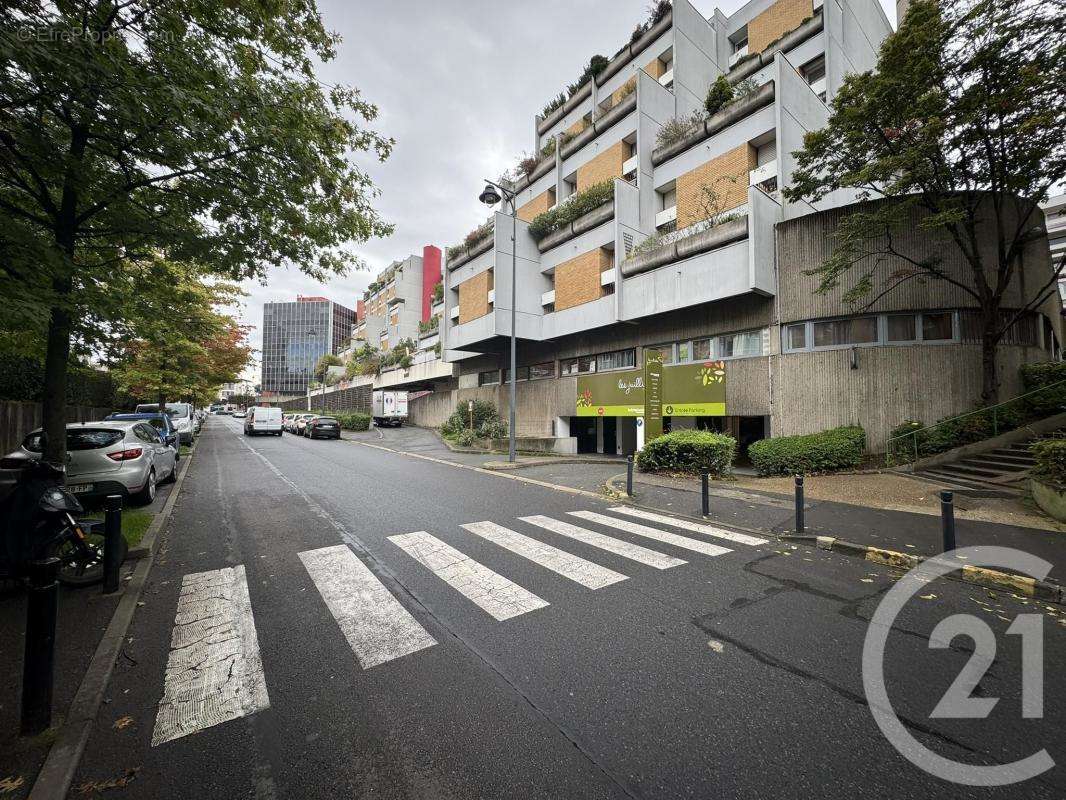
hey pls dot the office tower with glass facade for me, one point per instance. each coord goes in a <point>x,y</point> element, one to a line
<point>295,335</point>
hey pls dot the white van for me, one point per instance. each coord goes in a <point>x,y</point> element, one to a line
<point>263,419</point>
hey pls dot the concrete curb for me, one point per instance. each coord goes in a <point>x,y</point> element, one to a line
<point>545,462</point>
<point>146,546</point>
<point>57,773</point>
<point>1042,590</point>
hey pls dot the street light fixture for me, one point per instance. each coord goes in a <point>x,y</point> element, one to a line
<point>490,196</point>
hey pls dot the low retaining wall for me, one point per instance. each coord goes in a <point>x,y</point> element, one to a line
<point>354,399</point>
<point>1051,499</point>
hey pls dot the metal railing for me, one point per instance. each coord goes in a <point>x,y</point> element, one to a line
<point>890,449</point>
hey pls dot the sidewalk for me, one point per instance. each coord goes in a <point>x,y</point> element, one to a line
<point>84,614</point>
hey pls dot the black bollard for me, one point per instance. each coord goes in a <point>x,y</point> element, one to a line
<point>705,489</point>
<point>799,504</point>
<point>947,519</point>
<point>629,475</point>
<point>112,537</point>
<point>38,662</point>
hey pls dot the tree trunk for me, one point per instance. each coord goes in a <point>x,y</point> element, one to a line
<point>54,401</point>
<point>989,371</point>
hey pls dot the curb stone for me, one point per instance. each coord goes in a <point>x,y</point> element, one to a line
<point>57,773</point>
<point>1042,590</point>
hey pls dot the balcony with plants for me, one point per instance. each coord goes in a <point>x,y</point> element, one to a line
<point>474,244</point>
<point>579,213</point>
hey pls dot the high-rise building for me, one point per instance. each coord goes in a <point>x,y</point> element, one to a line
<point>295,335</point>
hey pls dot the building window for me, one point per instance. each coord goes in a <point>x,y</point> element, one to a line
<point>740,345</point>
<point>539,372</point>
<point>901,328</point>
<point>488,378</point>
<point>937,327</point>
<point>667,351</point>
<point>701,349</point>
<point>898,328</point>
<point>836,332</point>
<point>618,359</point>
<point>796,337</point>
<point>578,366</point>
<point>523,375</point>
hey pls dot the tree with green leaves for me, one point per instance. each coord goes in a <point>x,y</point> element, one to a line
<point>194,130</point>
<point>961,126</point>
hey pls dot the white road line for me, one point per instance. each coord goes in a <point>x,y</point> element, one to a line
<point>491,592</point>
<point>634,552</point>
<point>377,627</point>
<point>684,524</point>
<point>214,671</point>
<point>652,533</point>
<point>566,564</point>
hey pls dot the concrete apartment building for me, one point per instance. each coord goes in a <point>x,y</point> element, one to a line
<point>295,335</point>
<point>693,251</point>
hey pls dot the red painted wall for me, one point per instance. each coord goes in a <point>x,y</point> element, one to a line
<point>430,277</point>
<point>360,309</point>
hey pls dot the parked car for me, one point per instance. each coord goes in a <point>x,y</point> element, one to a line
<point>161,422</point>
<point>240,414</point>
<point>300,423</point>
<point>286,422</point>
<point>181,414</point>
<point>125,457</point>
<point>263,419</point>
<point>322,428</point>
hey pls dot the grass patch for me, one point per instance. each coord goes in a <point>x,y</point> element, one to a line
<point>185,449</point>
<point>134,525</point>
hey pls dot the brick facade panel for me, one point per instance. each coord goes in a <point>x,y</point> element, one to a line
<point>474,296</point>
<point>726,175</point>
<point>604,167</point>
<point>577,281</point>
<point>780,18</point>
<point>538,205</point>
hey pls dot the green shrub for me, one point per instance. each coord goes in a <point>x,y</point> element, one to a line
<point>354,421</point>
<point>460,419</point>
<point>1050,456</point>
<point>465,438</point>
<point>949,433</point>
<point>570,209</point>
<point>835,449</point>
<point>493,429</point>
<point>1036,376</point>
<point>719,95</point>
<point>688,452</point>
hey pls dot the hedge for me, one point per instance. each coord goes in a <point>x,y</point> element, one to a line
<point>22,378</point>
<point>570,209</point>
<point>484,412</point>
<point>688,452</point>
<point>1050,456</point>
<point>1036,376</point>
<point>353,421</point>
<point>835,449</point>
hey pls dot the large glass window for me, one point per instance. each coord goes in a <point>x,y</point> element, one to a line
<point>738,345</point>
<point>578,366</point>
<point>831,333</point>
<point>796,336</point>
<point>901,328</point>
<point>523,375</point>
<point>541,371</point>
<point>701,349</point>
<point>667,351</point>
<point>488,378</point>
<point>936,327</point>
<point>618,359</point>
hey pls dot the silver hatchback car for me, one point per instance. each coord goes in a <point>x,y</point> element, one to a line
<point>120,457</point>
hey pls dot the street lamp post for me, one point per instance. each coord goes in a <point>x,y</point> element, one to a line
<point>490,196</point>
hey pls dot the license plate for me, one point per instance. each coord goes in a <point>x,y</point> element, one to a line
<point>80,488</point>
<point>327,427</point>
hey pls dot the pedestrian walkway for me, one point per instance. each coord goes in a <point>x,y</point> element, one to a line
<point>215,672</point>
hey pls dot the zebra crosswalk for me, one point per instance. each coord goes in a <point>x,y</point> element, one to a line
<point>215,672</point>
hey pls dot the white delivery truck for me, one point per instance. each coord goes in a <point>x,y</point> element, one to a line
<point>390,408</point>
<point>263,419</point>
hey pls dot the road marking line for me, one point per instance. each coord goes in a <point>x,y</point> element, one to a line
<point>634,552</point>
<point>214,671</point>
<point>378,628</point>
<point>653,533</point>
<point>566,564</point>
<point>491,592</point>
<point>696,527</point>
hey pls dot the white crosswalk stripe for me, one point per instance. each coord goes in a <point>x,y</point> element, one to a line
<point>634,552</point>
<point>214,670</point>
<point>491,592</point>
<point>676,540</point>
<point>377,627</point>
<point>684,524</point>
<point>566,564</point>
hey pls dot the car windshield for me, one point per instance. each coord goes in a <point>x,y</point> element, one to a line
<point>81,439</point>
<point>178,409</point>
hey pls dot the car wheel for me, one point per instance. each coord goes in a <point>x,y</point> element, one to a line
<point>147,494</point>
<point>173,476</point>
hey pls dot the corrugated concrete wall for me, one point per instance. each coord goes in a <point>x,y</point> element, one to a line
<point>18,419</point>
<point>355,399</point>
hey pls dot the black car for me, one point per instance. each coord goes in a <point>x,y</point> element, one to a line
<point>322,428</point>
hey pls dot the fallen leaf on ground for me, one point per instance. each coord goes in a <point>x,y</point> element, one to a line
<point>867,580</point>
<point>927,597</point>
<point>123,722</point>
<point>11,783</point>
<point>111,783</point>
<point>716,645</point>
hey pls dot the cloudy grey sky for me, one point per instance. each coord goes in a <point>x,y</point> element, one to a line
<point>457,83</point>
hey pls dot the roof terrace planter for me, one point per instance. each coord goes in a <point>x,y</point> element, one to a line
<point>571,103</point>
<point>471,253</point>
<point>710,239</point>
<point>584,223</point>
<point>794,38</point>
<point>735,111</point>
<point>544,166</point>
<point>633,49</point>
<point>617,113</point>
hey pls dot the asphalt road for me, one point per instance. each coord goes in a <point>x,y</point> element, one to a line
<point>311,656</point>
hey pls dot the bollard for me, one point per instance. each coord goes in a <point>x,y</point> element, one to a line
<point>706,494</point>
<point>112,537</point>
<point>947,519</point>
<point>38,662</point>
<point>799,504</point>
<point>629,475</point>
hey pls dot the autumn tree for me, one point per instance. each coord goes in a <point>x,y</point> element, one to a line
<point>192,129</point>
<point>961,125</point>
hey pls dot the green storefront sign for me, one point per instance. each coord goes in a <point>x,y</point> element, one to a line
<point>653,394</point>
<point>688,390</point>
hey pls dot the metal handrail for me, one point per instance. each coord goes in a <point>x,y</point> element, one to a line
<point>993,409</point>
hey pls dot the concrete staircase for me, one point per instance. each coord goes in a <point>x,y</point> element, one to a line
<point>999,472</point>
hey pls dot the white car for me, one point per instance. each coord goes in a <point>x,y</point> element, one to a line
<point>182,416</point>
<point>127,458</point>
<point>263,419</point>
<point>240,414</point>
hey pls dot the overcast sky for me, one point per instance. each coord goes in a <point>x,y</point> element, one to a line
<point>457,83</point>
